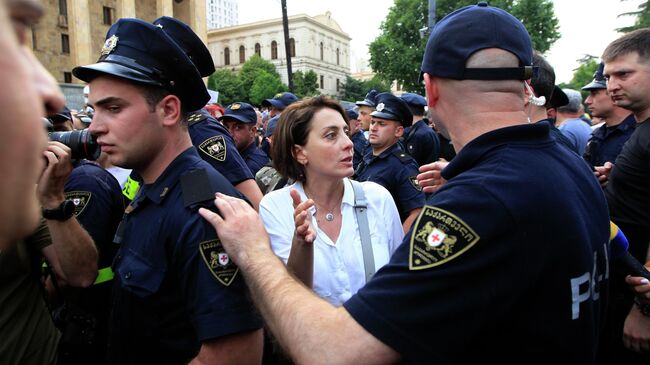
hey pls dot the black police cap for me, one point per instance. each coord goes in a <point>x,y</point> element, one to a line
<point>240,111</point>
<point>599,81</point>
<point>558,98</point>
<point>391,107</point>
<point>369,100</point>
<point>191,44</point>
<point>143,53</point>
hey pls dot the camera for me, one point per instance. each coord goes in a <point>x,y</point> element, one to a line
<point>82,143</point>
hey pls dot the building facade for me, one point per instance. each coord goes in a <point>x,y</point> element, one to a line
<point>73,31</point>
<point>317,43</point>
<point>222,13</point>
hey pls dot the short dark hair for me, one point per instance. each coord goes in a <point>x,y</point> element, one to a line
<point>544,81</point>
<point>292,129</point>
<point>152,94</point>
<point>637,41</point>
<point>416,110</point>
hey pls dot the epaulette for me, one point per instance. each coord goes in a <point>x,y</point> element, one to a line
<point>403,156</point>
<point>196,189</point>
<point>196,117</point>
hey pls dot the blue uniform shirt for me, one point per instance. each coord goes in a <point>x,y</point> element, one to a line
<point>422,142</point>
<point>175,286</point>
<point>255,158</point>
<point>217,147</point>
<point>498,264</point>
<point>606,143</point>
<point>396,171</point>
<point>360,146</point>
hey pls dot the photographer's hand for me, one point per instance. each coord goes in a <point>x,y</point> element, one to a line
<point>52,181</point>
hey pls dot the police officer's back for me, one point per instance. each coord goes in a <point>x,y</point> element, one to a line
<point>420,141</point>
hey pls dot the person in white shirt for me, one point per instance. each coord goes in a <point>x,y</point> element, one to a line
<point>311,146</point>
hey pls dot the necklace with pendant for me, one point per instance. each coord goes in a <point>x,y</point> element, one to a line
<point>329,216</point>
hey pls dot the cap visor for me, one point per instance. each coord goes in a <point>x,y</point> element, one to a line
<point>238,118</point>
<point>89,72</point>
<point>595,85</point>
<point>364,103</point>
<point>383,115</point>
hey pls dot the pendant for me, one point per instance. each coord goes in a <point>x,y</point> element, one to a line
<point>329,217</point>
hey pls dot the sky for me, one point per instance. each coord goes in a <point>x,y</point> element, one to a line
<point>586,26</point>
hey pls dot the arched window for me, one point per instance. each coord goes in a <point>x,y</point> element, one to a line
<point>338,55</point>
<point>274,50</point>
<point>258,49</point>
<point>242,54</point>
<point>292,47</point>
<point>321,52</point>
<point>226,56</point>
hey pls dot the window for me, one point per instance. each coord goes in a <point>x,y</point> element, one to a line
<point>292,47</point>
<point>63,7</point>
<point>258,49</point>
<point>226,56</point>
<point>321,54</point>
<point>67,77</point>
<point>108,15</point>
<point>338,85</point>
<point>242,54</point>
<point>322,81</point>
<point>338,54</point>
<point>65,43</point>
<point>274,50</point>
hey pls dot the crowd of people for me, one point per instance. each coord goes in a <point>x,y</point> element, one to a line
<point>482,221</point>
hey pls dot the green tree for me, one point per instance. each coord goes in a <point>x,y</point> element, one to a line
<point>352,90</point>
<point>305,84</point>
<point>583,75</point>
<point>397,53</point>
<point>642,18</point>
<point>376,83</point>
<point>265,86</point>
<point>228,85</point>
<point>251,70</point>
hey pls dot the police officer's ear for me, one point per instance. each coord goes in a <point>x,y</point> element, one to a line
<point>431,88</point>
<point>169,109</point>
<point>399,131</point>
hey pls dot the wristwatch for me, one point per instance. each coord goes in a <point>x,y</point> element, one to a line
<point>643,308</point>
<point>63,212</point>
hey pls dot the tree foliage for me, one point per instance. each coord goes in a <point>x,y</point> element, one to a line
<point>305,84</point>
<point>642,18</point>
<point>583,75</point>
<point>354,90</point>
<point>265,86</point>
<point>256,81</point>
<point>397,53</point>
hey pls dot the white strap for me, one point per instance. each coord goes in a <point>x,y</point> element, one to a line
<point>360,210</point>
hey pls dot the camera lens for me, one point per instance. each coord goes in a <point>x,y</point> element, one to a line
<point>82,143</point>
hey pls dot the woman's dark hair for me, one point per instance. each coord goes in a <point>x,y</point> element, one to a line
<point>292,129</point>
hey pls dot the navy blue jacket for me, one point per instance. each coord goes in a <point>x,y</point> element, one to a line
<point>606,143</point>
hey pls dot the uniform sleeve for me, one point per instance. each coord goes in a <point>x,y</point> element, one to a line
<point>276,214</point>
<point>217,147</point>
<point>410,195</point>
<point>447,294</point>
<point>392,222</point>
<point>213,288</point>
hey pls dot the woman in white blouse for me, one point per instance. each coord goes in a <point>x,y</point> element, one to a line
<point>311,146</point>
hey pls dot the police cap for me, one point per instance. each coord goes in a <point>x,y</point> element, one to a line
<point>241,112</point>
<point>270,126</point>
<point>143,53</point>
<point>281,101</point>
<point>558,98</point>
<point>352,114</point>
<point>391,107</point>
<point>473,28</point>
<point>63,115</point>
<point>369,100</point>
<point>598,81</point>
<point>189,42</point>
<point>414,99</point>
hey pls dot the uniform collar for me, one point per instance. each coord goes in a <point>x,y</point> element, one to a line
<point>249,150</point>
<point>369,157</point>
<point>158,190</point>
<point>469,156</point>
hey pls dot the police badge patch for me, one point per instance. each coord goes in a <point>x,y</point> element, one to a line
<point>414,182</point>
<point>438,236</point>
<point>218,261</point>
<point>80,200</point>
<point>214,147</point>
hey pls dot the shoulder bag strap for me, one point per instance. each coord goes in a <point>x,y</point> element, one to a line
<point>360,210</point>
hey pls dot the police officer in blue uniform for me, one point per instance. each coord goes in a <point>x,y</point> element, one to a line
<point>359,141</point>
<point>279,102</point>
<point>240,118</point>
<point>386,163</point>
<point>499,266</point>
<point>213,141</point>
<point>98,206</point>
<point>177,297</point>
<point>607,140</point>
<point>366,106</point>
<point>420,141</point>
